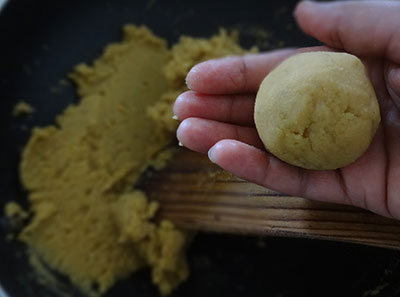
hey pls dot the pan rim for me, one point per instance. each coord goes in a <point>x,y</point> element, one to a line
<point>2,5</point>
<point>3,292</point>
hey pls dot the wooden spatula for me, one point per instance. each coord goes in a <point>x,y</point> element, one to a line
<point>195,194</point>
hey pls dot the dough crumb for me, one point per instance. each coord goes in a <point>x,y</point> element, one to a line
<point>12,210</point>
<point>22,108</point>
<point>16,217</point>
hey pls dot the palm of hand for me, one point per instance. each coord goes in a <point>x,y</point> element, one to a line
<point>371,181</point>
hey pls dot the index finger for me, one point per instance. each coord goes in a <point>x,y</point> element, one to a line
<point>239,74</point>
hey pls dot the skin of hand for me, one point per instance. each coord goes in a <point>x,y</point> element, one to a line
<point>217,113</point>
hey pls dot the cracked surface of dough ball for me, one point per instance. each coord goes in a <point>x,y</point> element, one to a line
<point>317,110</point>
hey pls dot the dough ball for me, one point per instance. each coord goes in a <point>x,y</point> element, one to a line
<point>317,110</point>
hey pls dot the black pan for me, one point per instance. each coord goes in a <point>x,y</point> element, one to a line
<point>39,43</point>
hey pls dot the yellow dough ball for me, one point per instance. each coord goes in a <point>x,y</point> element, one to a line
<point>317,110</point>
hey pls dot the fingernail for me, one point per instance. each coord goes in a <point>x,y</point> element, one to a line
<point>192,71</point>
<point>180,143</point>
<point>304,5</point>
<point>308,2</point>
<point>187,82</point>
<point>210,156</point>
<point>174,107</point>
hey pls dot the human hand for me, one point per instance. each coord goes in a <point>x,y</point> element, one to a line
<point>217,114</point>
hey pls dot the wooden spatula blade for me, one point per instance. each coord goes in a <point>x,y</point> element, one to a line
<point>195,194</point>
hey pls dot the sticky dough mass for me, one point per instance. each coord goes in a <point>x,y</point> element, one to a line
<point>88,223</point>
<point>317,110</point>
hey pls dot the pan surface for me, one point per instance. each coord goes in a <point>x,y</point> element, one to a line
<point>40,41</point>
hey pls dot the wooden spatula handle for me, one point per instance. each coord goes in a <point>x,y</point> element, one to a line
<point>196,195</point>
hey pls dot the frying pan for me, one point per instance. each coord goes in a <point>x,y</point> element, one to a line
<point>40,42</point>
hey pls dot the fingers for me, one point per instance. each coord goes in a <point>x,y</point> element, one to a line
<point>200,134</point>
<point>359,27</point>
<point>258,166</point>
<point>234,109</point>
<point>242,74</point>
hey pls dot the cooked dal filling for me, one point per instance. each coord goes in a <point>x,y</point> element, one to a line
<point>88,220</point>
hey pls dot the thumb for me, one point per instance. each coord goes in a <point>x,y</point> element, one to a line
<point>358,27</point>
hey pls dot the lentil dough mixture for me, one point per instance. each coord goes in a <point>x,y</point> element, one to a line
<point>88,221</point>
